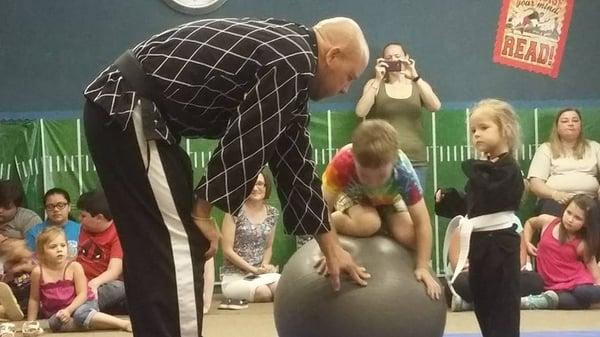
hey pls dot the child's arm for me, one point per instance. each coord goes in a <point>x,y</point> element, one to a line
<point>423,236</point>
<point>523,256</point>
<point>33,305</point>
<point>112,272</point>
<point>81,288</point>
<point>592,264</point>
<point>530,227</point>
<point>420,217</point>
<point>454,250</point>
<point>593,267</point>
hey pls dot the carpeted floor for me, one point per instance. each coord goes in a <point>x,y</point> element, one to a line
<point>538,334</point>
<point>257,321</point>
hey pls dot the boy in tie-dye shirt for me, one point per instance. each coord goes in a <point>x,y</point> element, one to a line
<point>370,187</point>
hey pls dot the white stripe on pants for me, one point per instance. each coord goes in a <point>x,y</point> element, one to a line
<point>179,239</point>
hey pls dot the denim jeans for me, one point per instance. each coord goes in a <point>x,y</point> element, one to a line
<point>81,318</point>
<point>112,299</point>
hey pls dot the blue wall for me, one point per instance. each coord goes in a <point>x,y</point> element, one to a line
<point>50,49</point>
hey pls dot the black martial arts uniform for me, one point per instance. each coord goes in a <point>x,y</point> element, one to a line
<point>242,81</point>
<point>494,267</point>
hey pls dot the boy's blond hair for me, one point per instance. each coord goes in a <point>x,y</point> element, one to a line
<point>47,235</point>
<point>375,143</point>
<point>505,117</point>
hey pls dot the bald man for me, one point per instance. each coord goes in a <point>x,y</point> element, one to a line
<point>244,82</point>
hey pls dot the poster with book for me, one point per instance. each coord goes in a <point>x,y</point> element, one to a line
<point>532,34</point>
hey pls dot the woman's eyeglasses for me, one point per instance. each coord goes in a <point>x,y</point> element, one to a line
<point>59,205</point>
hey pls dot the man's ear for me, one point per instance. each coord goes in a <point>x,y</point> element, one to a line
<point>332,54</point>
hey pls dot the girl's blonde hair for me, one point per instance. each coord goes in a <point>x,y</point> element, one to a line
<point>46,236</point>
<point>375,143</point>
<point>555,143</point>
<point>505,117</point>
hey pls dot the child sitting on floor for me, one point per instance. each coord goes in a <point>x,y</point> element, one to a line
<point>59,289</point>
<point>566,256</point>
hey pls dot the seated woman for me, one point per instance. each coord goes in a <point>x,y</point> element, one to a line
<point>247,274</point>
<point>565,165</point>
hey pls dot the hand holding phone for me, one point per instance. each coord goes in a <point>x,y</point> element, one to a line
<point>393,65</point>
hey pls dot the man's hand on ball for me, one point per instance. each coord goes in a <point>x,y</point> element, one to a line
<point>433,288</point>
<point>342,261</point>
<point>347,265</point>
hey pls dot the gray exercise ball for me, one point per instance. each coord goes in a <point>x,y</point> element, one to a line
<point>393,304</point>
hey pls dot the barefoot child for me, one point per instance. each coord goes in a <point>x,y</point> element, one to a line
<point>59,289</point>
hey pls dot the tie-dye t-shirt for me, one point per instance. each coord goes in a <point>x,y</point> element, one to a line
<point>340,176</point>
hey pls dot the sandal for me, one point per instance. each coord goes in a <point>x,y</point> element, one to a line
<point>7,330</point>
<point>32,329</point>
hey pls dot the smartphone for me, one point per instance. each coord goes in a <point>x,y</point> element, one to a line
<point>394,65</point>
<point>251,277</point>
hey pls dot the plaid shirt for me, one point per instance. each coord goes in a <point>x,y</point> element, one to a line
<point>245,82</point>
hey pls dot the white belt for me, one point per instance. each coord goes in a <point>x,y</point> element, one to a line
<point>488,222</point>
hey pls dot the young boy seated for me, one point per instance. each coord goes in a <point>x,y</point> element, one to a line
<point>370,187</point>
<point>16,258</point>
<point>100,253</point>
<point>15,220</point>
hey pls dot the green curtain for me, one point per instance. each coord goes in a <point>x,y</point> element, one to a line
<point>52,153</point>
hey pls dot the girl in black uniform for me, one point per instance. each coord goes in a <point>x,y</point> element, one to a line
<point>492,194</point>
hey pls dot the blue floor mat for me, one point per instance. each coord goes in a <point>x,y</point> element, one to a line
<point>538,334</point>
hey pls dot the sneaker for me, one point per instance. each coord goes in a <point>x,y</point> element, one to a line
<point>233,304</point>
<point>546,300</point>
<point>10,304</point>
<point>458,304</point>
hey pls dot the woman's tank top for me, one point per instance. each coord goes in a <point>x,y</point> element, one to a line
<point>405,115</point>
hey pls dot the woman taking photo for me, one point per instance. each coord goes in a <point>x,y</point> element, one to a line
<point>398,95</point>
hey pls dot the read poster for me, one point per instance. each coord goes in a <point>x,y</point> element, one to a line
<point>532,34</point>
